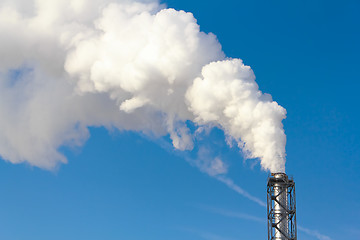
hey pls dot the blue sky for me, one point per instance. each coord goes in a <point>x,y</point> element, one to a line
<point>123,185</point>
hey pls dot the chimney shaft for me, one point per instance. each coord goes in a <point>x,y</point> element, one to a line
<point>281,207</point>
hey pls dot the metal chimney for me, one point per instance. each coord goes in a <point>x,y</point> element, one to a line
<point>281,207</point>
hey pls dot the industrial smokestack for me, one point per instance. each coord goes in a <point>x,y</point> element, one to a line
<point>281,207</point>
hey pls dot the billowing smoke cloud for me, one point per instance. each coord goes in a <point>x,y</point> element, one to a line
<point>68,65</point>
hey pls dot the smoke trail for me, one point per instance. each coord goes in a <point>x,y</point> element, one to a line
<point>68,65</point>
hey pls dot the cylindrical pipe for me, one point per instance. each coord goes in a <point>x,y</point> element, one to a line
<point>280,206</point>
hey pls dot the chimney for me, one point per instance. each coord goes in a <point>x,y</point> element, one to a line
<point>281,207</point>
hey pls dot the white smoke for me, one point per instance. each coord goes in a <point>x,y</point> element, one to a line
<point>68,65</point>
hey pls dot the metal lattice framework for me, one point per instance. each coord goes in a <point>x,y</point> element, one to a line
<point>281,207</point>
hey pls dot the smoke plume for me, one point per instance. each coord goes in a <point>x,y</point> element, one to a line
<point>68,65</point>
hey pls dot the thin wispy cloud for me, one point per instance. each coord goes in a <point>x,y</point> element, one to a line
<point>211,236</point>
<point>245,216</point>
<point>314,233</point>
<point>205,234</point>
<point>215,167</point>
<point>230,183</point>
<point>232,214</point>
